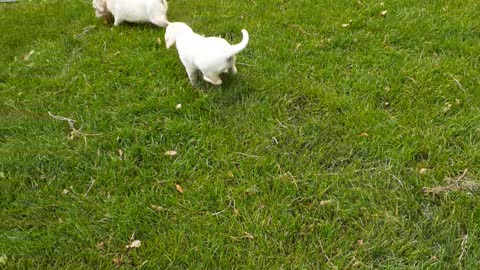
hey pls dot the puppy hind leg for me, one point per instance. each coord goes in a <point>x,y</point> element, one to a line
<point>232,70</point>
<point>192,75</point>
<point>117,21</point>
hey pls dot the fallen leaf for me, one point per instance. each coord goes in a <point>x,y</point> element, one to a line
<point>434,258</point>
<point>363,134</point>
<point>383,13</point>
<point>65,191</point>
<point>178,106</point>
<point>347,24</point>
<point>179,188</point>
<point>118,260</point>
<point>156,207</point>
<point>27,56</point>
<point>171,153</point>
<point>298,46</point>
<point>322,203</point>
<point>101,245</point>
<point>458,101</point>
<point>3,259</point>
<point>448,106</point>
<point>134,244</point>
<point>360,242</point>
<point>252,189</point>
<point>60,220</point>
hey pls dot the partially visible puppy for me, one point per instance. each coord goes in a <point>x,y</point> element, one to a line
<point>153,11</point>
<point>209,55</point>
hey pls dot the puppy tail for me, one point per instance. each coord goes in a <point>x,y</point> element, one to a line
<point>240,46</point>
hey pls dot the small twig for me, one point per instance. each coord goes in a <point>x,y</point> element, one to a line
<point>457,82</point>
<point>61,118</point>
<point>85,30</point>
<point>247,235</point>
<point>326,257</point>
<point>301,29</point>
<point>88,190</point>
<point>218,213</point>
<point>248,155</point>
<point>244,64</point>
<point>74,133</point>
<point>464,249</point>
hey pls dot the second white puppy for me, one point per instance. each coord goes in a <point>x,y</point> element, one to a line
<point>209,55</point>
<point>137,11</point>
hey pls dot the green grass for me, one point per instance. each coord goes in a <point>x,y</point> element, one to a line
<point>276,169</point>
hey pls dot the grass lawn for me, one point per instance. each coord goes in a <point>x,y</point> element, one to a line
<point>342,142</point>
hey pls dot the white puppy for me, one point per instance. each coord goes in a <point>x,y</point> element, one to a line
<point>209,55</point>
<point>154,11</point>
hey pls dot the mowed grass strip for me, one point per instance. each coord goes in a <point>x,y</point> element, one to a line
<point>334,147</point>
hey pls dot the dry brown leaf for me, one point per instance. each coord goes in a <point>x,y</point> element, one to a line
<point>171,153</point>
<point>322,203</point>
<point>360,242</point>
<point>459,183</point>
<point>118,260</point>
<point>156,207</point>
<point>363,134</point>
<point>448,106</point>
<point>134,244</point>
<point>179,188</point>
<point>101,245</point>
<point>3,259</point>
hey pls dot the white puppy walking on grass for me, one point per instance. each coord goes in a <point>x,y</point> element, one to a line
<point>136,11</point>
<point>209,55</point>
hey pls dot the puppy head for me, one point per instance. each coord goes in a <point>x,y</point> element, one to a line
<point>175,29</point>
<point>100,7</point>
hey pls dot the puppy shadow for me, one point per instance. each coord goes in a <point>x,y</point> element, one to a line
<point>108,21</point>
<point>233,90</point>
